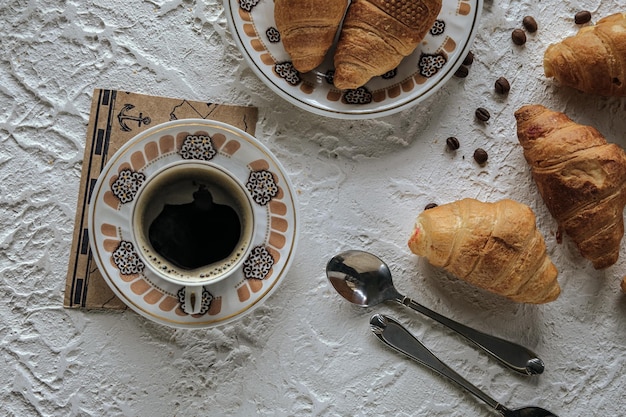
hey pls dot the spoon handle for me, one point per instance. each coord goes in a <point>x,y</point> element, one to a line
<point>512,355</point>
<point>395,335</point>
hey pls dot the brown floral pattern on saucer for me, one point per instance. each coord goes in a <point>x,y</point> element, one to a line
<point>127,260</point>
<point>198,147</point>
<point>127,185</point>
<point>430,64</point>
<point>287,72</point>
<point>247,5</point>
<point>262,186</point>
<point>258,264</point>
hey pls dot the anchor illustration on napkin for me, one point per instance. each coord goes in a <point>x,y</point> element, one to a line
<point>122,117</point>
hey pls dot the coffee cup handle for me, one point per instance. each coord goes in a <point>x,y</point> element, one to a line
<point>193,299</point>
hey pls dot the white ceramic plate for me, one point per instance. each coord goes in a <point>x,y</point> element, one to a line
<point>243,157</point>
<point>417,77</point>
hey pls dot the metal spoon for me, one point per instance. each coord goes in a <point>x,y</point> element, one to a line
<point>364,279</point>
<point>395,335</point>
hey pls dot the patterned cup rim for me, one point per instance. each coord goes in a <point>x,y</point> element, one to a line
<point>210,273</point>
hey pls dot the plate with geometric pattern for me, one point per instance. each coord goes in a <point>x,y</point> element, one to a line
<point>212,143</point>
<point>417,77</point>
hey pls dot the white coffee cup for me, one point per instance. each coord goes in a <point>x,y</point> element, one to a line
<point>183,222</point>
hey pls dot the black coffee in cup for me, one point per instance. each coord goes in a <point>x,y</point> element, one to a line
<point>195,234</point>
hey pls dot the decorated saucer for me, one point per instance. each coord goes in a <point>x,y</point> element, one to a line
<point>243,157</point>
<point>417,77</point>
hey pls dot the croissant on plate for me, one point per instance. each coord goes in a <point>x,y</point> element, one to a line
<point>308,29</point>
<point>581,178</point>
<point>494,246</point>
<point>594,60</point>
<point>377,34</point>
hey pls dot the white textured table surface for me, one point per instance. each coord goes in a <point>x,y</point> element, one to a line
<point>360,184</point>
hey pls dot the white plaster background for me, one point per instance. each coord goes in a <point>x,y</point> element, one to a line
<point>305,352</point>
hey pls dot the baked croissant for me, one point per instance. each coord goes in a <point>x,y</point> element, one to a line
<point>308,28</point>
<point>594,60</point>
<point>377,34</point>
<point>494,246</point>
<point>581,178</point>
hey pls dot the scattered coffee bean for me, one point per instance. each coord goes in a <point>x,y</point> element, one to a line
<point>480,156</point>
<point>530,24</point>
<point>559,236</point>
<point>430,206</point>
<point>582,17</point>
<point>462,72</point>
<point>453,143</point>
<point>502,86</point>
<point>469,59</point>
<point>519,37</point>
<point>482,114</point>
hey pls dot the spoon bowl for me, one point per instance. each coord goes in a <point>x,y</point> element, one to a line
<point>364,279</point>
<point>361,278</point>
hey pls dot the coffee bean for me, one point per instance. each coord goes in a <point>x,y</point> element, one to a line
<point>462,72</point>
<point>502,86</point>
<point>430,206</point>
<point>530,24</point>
<point>469,58</point>
<point>519,37</point>
<point>453,143</point>
<point>582,17</point>
<point>480,156</point>
<point>482,114</point>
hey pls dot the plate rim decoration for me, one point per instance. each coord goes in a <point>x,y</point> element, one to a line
<point>212,143</point>
<point>381,96</point>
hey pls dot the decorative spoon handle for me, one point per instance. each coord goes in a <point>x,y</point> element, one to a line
<point>395,335</point>
<point>512,355</point>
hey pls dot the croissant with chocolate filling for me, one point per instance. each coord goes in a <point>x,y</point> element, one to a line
<point>594,60</point>
<point>494,246</point>
<point>581,178</point>
<point>377,34</point>
<point>308,28</point>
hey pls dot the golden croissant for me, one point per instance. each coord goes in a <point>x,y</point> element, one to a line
<point>377,34</point>
<point>581,178</point>
<point>308,28</point>
<point>594,60</point>
<point>494,246</point>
